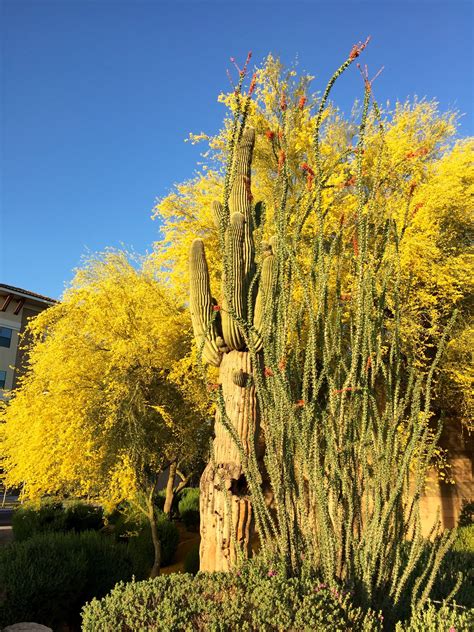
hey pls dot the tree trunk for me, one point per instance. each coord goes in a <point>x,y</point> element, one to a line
<point>169,489</point>
<point>155,571</point>
<point>225,505</point>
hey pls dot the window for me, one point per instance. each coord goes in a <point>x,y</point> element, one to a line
<point>5,336</point>
<point>3,378</point>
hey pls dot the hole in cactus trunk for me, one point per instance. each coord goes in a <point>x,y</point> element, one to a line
<point>239,486</point>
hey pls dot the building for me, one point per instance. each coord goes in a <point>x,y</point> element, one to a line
<point>17,306</point>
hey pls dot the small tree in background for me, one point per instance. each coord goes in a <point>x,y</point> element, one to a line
<point>103,410</point>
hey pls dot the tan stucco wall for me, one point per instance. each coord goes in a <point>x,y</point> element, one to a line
<point>10,357</point>
<point>448,498</point>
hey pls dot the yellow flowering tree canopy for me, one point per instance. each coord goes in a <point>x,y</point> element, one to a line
<point>415,171</point>
<point>103,407</point>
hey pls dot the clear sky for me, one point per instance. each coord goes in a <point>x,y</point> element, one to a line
<point>97,97</point>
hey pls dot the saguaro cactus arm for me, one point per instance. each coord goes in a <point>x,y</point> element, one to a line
<point>201,304</point>
<point>234,293</point>
<point>264,302</point>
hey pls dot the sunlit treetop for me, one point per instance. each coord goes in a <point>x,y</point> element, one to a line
<point>413,167</point>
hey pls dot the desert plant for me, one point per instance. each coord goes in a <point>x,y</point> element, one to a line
<point>251,601</point>
<point>324,429</point>
<point>432,619</point>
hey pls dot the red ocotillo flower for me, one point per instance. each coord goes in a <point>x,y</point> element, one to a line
<point>309,174</point>
<point>358,48</point>
<point>267,372</point>
<point>350,182</point>
<point>253,83</point>
<point>283,102</point>
<point>355,245</point>
<point>269,134</point>
<point>307,168</point>
<point>302,102</point>
<point>281,160</point>
<point>282,364</point>
<point>299,403</point>
<point>419,152</point>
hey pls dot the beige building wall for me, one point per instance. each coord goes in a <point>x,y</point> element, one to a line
<point>17,306</point>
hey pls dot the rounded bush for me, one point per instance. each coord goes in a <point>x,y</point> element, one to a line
<point>188,507</point>
<point>54,516</point>
<point>142,550</point>
<point>457,569</point>
<point>28,521</point>
<point>191,561</point>
<point>83,517</point>
<point>48,577</point>
<point>432,619</point>
<point>224,602</point>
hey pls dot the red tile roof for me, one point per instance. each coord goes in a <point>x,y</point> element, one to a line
<point>19,290</point>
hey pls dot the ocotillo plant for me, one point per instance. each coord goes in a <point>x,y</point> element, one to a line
<point>323,430</point>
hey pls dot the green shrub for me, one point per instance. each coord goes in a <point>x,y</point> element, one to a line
<point>459,561</point>
<point>160,500</point>
<point>445,618</point>
<point>28,521</point>
<point>464,542</point>
<point>83,517</point>
<point>225,602</point>
<point>48,577</point>
<point>53,516</point>
<point>467,514</point>
<point>188,507</point>
<point>141,546</point>
<point>191,561</point>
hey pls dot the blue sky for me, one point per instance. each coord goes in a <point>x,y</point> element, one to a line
<point>97,97</point>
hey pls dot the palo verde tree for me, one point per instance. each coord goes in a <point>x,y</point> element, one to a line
<point>324,430</point>
<point>103,409</point>
<point>428,177</point>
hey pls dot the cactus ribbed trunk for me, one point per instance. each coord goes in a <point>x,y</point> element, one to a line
<point>225,505</point>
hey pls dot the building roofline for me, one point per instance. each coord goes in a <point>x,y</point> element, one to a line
<point>10,289</point>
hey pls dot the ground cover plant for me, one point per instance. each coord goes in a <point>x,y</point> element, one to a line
<point>251,599</point>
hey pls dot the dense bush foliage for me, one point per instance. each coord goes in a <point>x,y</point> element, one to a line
<point>459,561</point>
<point>253,599</point>
<point>55,516</point>
<point>467,514</point>
<point>48,577</point>
<point>141,546</point>
<point>431,619</point>
<point>221,601</point>
<point>191,561</point>
<point>188,507</point>
<point>130,525</point>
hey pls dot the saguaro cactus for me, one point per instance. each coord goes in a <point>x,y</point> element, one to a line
<point>224,332</point>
